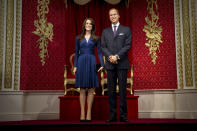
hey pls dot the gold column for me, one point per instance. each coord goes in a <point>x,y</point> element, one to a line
<point>9,44</point>
<point>194,38</point>
<point>179,46</point>
<point>17,48</point>
<point>187,43</point>
<point>2,3</point>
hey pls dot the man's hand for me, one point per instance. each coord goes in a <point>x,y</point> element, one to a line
<point>113,59</point>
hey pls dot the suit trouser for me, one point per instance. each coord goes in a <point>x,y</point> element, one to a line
<point>112,76</point>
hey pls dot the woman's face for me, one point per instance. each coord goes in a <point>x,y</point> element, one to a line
<point>88,25</point>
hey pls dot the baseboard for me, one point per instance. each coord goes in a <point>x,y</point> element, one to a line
<point>170,115</point>
<point>55,116</point>
<point>38,105</point>
<point>29,116</point>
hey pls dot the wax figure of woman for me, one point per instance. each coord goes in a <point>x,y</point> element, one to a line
<point>85,64</point>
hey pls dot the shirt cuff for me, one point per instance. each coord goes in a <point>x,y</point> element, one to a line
<point>117,57</point>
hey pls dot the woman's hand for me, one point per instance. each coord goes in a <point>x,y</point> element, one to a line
<point>101,68</point>
<point>74,70</point>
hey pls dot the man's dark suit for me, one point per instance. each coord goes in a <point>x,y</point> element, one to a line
<point>117,45</point>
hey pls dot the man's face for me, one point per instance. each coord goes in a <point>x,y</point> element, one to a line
<point>114,16</point>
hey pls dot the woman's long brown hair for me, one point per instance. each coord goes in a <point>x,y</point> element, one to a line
<point>93,31</point>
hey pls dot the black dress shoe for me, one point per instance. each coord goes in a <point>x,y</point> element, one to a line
<point>124,120</point>
<point>88,120</point>
<point>82,120</point>
<point>112,120</point>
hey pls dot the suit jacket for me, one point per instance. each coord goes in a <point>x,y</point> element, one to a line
<point>116,45</point>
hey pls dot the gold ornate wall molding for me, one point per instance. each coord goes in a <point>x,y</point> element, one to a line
<point>17,45</point>
<point>2,8</point>
<point>9,44</point>
<point>83,2</point>
<point>113,2</point>
<point>187,43</point>
<point>2,3</point>
<point>178,45</point>
<point>44,29</point>
<point>194,38</point>
<point>153,29</point>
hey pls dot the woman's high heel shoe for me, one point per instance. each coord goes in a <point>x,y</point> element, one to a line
<point>88,120</point>
<point>82,120</point>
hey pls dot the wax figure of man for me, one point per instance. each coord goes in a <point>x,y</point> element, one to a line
<point>115,45</point>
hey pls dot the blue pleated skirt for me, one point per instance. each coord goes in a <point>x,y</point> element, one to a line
<point>86,75</point>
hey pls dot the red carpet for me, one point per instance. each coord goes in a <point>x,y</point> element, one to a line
<point>139,121</point>
<point>140,124</point>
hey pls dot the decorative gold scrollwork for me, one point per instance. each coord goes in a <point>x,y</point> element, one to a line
<point>153,30</point>
<point>44,29</point>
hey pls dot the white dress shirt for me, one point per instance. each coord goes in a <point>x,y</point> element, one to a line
<point>117,25</point>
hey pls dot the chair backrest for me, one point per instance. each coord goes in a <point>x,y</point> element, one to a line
<point>72,63</point>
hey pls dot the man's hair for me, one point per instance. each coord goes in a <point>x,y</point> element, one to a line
<point>115,10</point>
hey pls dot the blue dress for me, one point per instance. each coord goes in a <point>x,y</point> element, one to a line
<point>85,61</point>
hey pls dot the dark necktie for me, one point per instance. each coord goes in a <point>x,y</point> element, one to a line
<point>114,30</point>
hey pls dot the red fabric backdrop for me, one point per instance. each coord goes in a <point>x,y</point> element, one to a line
<point>67,24</point>
<point>162,75</point>
<point>34,76</point>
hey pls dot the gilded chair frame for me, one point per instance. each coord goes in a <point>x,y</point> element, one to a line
<point>69,80</point>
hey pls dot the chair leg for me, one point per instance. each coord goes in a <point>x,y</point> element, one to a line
<point>65,90</point>
<point>102,86</point>
<point>103,91</point>
<point>131,89</point>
